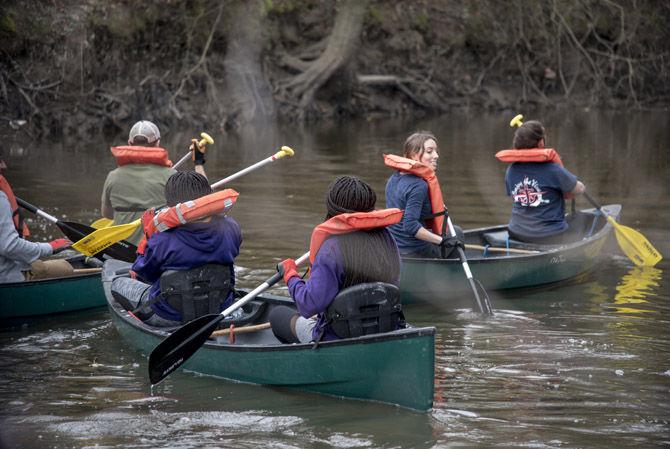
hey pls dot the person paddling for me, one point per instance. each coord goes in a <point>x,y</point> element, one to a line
<point>185,270</point>
<point>351,248</point>
<point>16,252</point>
<point>137,184</point>
<point>414,188</point>
<point>538,184</point>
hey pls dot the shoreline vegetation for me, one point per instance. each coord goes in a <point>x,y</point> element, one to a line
<point>91,66</point>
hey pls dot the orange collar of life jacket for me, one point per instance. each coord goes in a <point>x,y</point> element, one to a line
<point>346,223</point>
<point>19,225</point>
<point>533,155</point>
<point>530,155</point>
<point>426,173</point>
<point>187,212</point>
<point>141,155</point>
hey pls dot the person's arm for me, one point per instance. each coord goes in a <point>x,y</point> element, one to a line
<point>411,219</point>
<point>569,182</point>
<point>314,295</point>
<point>149,266</point>
<point>106,209</point>
<point>14,247</point>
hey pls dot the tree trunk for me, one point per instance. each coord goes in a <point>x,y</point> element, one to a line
<point>248,89</point>
<point>340,46</point>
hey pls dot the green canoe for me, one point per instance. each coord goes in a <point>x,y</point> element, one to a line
<point>442,281</point>
<point>22,302</point>
<point>395,368</point>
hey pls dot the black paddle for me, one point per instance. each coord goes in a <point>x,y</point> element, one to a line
<point>180,345</point>
<point>76,231</point>
<point>483,305</point>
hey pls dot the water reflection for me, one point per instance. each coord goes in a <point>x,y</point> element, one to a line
<point>634,288</point>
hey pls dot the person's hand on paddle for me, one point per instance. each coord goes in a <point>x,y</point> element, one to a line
<point>450,243</point>
<point>197,152</point>
<point>59,245</point>
<point>288,269</point>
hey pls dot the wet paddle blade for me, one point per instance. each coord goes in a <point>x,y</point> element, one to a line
<point>104,238</point>
<point>179,346</point>
<point>102,223</point>
<point>635,245</point>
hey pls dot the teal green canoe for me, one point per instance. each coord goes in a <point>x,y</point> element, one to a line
<point>394,368</point>
<point>23,302</point>
<point>497,267</point>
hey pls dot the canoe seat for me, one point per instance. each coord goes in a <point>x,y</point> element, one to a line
<point>500,239</point>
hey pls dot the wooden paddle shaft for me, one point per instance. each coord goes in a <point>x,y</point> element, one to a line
<point>87,270</point>
<point>241,330</point>
<point>495,249</point>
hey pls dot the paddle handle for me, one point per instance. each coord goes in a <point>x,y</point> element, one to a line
<point>205,139</point>
<point>35,210</point>
<point>261,288</point>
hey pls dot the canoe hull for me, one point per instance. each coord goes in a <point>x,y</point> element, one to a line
<point>395,368</point>
<point>20,302</point>
<point>440,280</point>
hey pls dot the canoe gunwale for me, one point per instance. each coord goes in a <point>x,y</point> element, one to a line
<point>543,250</point>
<point>399,334</point>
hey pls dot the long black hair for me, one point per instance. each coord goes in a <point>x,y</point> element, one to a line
<point>369,256</point>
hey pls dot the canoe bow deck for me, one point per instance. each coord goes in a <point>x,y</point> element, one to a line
<point>394,368</point>
<point>442,280</point>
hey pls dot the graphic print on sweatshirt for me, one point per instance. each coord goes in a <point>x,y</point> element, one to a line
<point>527,193</point>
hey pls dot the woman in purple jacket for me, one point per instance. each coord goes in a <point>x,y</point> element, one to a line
<point>213,242</point>
<point>341,261</point>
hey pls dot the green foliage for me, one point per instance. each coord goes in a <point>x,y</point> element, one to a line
<point>7,27</point>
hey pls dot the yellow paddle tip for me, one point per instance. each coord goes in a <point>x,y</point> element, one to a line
<point>516,121</point>
<point>206,138</point>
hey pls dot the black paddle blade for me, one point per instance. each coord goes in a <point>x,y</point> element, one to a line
<point>121,250</point>
<point>180,345</point>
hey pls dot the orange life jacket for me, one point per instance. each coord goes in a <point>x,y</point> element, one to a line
<point>426,173</point>
<point>351,222</point>
<point>141,155</point>
<point>19,225</point>
<point>533,155</point>
<point>170,217</point>
<point>530,155</point>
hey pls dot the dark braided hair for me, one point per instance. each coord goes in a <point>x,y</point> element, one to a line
<point>184,186</point>
<point>528,135</point>
<point>369,256</point>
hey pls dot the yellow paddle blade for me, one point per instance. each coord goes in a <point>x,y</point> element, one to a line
<point>102,223</point>
<point>635,245</point>
<point>105,237</point>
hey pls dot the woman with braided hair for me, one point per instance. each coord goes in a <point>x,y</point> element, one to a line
<point>351,247</point>
<point>204,250</point>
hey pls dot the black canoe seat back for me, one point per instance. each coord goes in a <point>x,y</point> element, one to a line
<point>365,309</point>
<point>198,291</point>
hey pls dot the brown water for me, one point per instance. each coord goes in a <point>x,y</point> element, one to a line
<point>582,364</point>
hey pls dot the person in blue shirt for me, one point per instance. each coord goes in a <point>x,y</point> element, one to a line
<point>341,261</point>
<point>410,193</point>
<point>538,190</point>
<point>212,240</point>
